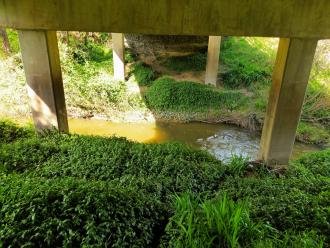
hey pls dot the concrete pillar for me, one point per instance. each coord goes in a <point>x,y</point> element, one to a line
<point>118,56</point>
<point>212,64</point>
<point>44,78</point>
<point>290,78</point>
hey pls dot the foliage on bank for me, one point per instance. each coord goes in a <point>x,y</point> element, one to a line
<point>167,94</point>
<point>69,190</point>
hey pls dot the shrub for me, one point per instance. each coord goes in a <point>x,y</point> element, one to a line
<point>37,212</point>
<point>143,74</point>
<point>176,167</point>
<point>13,40</point>
<point>168,95</point>
<point>98,53</point>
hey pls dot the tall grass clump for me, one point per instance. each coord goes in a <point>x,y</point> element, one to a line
<point>169,95</point>
<point>212,223</point>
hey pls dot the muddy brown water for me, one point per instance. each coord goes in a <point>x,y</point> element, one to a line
<point>222,141</point>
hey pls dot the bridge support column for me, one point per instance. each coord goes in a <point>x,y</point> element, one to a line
<point>290,78</point>
<point>118,56</point>
<point>212,64</point>
<point>44,78</point>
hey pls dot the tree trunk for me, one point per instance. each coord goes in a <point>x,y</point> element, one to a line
<point>5,41</point>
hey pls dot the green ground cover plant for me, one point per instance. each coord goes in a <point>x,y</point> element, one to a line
<point>70,212</point>
<point>168,94</point>
<point>60,190</point>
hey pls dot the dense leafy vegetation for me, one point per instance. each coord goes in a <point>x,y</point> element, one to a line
<point>68,212</point>
<point>168,94</point>
<point>69,190</point>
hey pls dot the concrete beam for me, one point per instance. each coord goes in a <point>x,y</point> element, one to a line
<point>43,75</point>
<point>118,51</point>
<point>212,65</point>
<point>290,78</point>
<point>270,18</point>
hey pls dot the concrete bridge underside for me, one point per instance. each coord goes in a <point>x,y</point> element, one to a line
<point>299,24</point>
